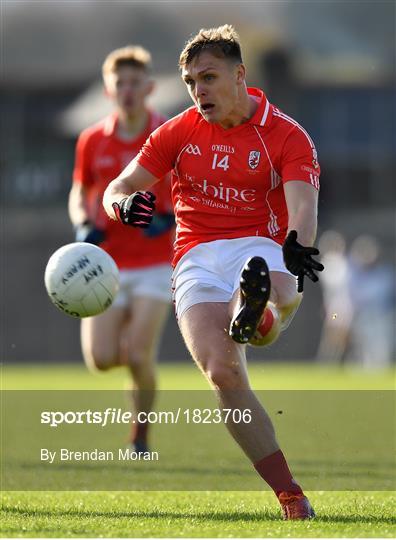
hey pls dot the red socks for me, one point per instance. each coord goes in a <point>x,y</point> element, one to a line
<point>275,471</point>
<point>139,431</point>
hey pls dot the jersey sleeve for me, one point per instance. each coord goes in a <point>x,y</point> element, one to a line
<point>82,172</point>
<point>299,158</point>
<point>159,153</point>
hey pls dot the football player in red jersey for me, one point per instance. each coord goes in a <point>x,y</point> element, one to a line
<point>128,332</point>
<point>245,180</point>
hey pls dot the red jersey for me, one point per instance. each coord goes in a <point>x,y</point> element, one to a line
<point>100,156</point>
<point>228,183</point>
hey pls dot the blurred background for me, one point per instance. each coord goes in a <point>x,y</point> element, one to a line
<point>330,65</point>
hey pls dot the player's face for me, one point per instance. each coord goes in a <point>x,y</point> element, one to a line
<point>214,84</point>
<point>129,88</point>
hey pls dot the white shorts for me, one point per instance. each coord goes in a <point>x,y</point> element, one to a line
<point>148,282</point>
<point>210,272</point>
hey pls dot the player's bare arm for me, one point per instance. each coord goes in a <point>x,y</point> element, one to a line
<point>302,206</point>
<point>133,178</point>
<point>85,230</point>
<point>77,204</point>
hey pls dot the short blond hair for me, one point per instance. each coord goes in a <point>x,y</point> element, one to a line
<point>131,55</point>
<point>222,42</point>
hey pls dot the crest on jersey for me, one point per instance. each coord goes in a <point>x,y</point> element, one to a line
<point>315,158</point>
<point>254,159</point>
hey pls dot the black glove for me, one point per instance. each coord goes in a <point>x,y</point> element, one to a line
<point>136,210</point>
<point>160,224</point>
<point>298,260</point>
<point>87,232</point>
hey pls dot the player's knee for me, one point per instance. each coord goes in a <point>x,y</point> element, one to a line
<point>102,366</point>
<point>224,377</point>
<point>97,361</point>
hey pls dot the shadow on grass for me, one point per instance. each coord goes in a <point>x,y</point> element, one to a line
<point>358,519</point>
<point>254,516</point>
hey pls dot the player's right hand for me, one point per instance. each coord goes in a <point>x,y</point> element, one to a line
<point>136,210</point>
<point>298,260</point>
<point>87,232</point>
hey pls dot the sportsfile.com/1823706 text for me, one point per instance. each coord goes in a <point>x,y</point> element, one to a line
<point>118,416</point>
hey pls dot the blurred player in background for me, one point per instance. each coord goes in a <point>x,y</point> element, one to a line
<point>337,302</point>
<point>245,182</point>
<point>372,289</point>
<point>128,332</point>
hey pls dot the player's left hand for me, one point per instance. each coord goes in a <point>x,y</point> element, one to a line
<point>87,232</point>
<point>136,210</point>
<point>160,224</point>
<point>298,260</point>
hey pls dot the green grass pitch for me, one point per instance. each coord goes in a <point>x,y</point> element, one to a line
<point>232,514</point>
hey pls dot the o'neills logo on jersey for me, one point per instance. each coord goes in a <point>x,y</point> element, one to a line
<point>254,159</point>
<point>104,161</point>
<point>224,193</point>
<point>223,148</point>
<point>193,149</point>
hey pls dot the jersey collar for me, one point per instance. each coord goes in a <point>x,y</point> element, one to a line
<point>263,114</point>
<point>111,121</point>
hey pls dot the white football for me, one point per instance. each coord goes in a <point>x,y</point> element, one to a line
<point>81,279</point>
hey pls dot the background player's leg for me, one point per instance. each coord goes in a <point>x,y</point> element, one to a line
<point>141,337</point>
<point>100,338</point>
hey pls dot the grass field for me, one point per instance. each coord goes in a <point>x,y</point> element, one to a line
<point>194,513</point>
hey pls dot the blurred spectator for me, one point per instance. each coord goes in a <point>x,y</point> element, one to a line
<point>373,296</point>
<point>337,301</point>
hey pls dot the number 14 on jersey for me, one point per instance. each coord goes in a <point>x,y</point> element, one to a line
<point>222,164</point>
